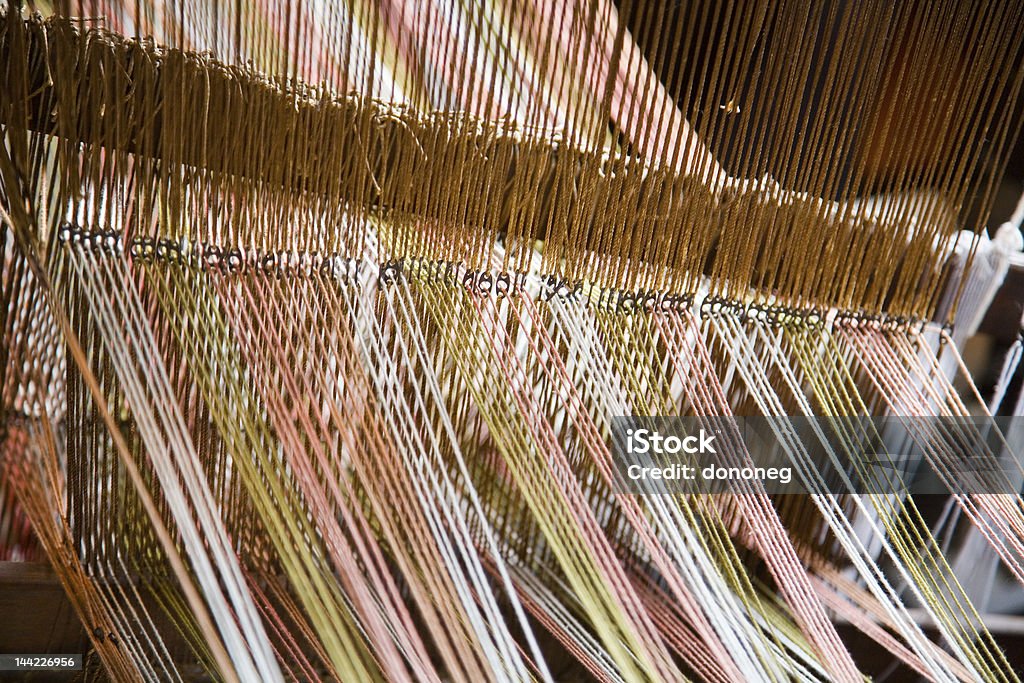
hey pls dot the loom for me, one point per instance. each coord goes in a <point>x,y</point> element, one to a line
<point>321,320</point>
